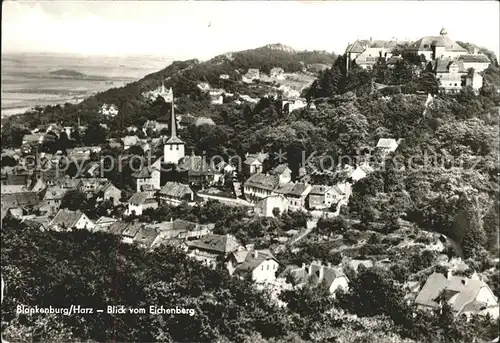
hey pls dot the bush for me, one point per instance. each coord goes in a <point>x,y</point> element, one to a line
<point>352,236</point>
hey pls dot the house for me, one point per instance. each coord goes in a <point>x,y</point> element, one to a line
<point>196,170</point>
<point>268,206</point>
<point>283,172</point>
<point>204,121</point>
<point>226,168</point>
<point>360,172</point>
<point>90,186</point>
<point>33,139</point>
<point>182,229</point>
<point>295,193</point>
<point>66,220</point>
<point>387,145</point>
<point>465,295</point>
<point>141,201</point>
<point>316,274</point>
<point>212,249</point>
<point>254,162</point>
<point>249,99</point>
<point>277,73</point>
<point>432,47</point>
<point>478,62</point>
<point>204,86</point>
<point>450,73</point>
<point>104,223</point>
<point>251,75</point>
<point>129,141</point>
<point>110,192</point>
<point>36,222</point>
<point>323,197</point>
<point>374,51</point>
<point>146,237</point>
<point>154,126</point>
<point>109,110</point>
<point>291,105</point>
<point>260,186</point>
<point>53,198</point>
<point>148,177</point>
<point>393,61</point>
<point>173,192</point>
<point>20,202</point>
<point>259,266</point>
<point>126,230</point>
<point>224,76</point>
<point>217,99</point>
<point>474,80</point>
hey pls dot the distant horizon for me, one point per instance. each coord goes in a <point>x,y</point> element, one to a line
<point>204,29</point>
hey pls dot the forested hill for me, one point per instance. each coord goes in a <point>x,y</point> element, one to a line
<point>183,77</point>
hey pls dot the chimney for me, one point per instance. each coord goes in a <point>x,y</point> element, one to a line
<point>329,265</point>
<point>255,254</point>
<point>449,274</point>
<point>475,51</point>
<point>303,266</point>
<point>171,220</point>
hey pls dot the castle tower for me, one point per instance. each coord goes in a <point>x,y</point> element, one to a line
<point>443,32</point>
<point>173,149</point>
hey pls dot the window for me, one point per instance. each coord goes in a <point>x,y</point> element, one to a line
<point>177,147</point>
<point>267,267</point>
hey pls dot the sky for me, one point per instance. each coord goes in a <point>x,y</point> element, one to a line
<point>203,29</point>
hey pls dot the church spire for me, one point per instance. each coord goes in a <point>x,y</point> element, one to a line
<point>173,129</point>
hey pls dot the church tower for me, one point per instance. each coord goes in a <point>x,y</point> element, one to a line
<point>173,148</point>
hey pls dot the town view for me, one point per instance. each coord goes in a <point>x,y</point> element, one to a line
<point>345,191</point>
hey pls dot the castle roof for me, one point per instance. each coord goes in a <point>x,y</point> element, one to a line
<point>426,43</point>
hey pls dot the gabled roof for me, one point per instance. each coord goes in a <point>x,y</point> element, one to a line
<point>33,138</point>
<point>120,226</point>
<point>140,198</point>
<point>320,189</point>
<point>466,288</point>
<point>176,190</point>
<point>25,199</point>
<point>280,169</point>
<point>442,65</point>
<point>10,189</point>
<point>263,181</point>
<point>105,220</point>
<point>357,47</point>
<point>146,236</point>
<point>302,275</point>
<point>131,229</point>
<point>259,157</point>
<point>295,189</point>
<point>54,193</point>
<point>130,140</point>
<point>426,43</point>
<point>471,58</point>
<point>66,218</point>
<point>386,143</point>
<point>93,183</point>
<point>144,173</point>
<point>221,244</point>
<point>196,165</point>
<point>251,261</point>
<point>394,60</point>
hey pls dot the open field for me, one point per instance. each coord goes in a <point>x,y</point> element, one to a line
<point>30,80</point>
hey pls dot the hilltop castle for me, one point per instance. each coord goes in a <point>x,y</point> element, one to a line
<point>448,60</point>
